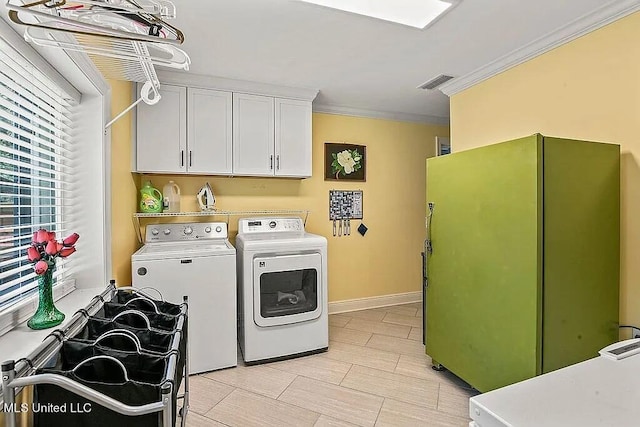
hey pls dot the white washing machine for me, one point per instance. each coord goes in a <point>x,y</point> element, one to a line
<point>282,289</point>
<point>196,260</point>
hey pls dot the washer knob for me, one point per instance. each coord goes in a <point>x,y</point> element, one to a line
<point>272,224</point>
<point>155,232</point>
<point>188,230</point>
<point>218,229</point>
<point>207,229</point>
<point>166,231</point>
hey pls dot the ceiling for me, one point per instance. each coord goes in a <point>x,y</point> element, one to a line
<point>373,67</point>
<point>359,62</point>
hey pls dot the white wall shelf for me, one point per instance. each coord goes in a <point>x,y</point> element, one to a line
<point>267,212</point>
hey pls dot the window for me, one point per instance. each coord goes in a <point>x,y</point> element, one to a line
<point>36,173</point>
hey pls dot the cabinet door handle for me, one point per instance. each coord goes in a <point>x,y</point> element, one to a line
<point>190,156</point>
<point>271,162</point>
<point>278,162</point>
<point>181,158</point>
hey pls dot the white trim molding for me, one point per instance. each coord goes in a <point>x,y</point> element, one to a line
<point>359,112</point>
<point>24,309</point>
<point>21,341</point>
<point>99,97</point>
<point>608,13</point>
<point>374,302</point>
<point>232,85</point>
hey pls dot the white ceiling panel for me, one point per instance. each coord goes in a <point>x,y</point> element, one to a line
<point>357,61</point>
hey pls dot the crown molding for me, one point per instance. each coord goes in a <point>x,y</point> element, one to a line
<point>232,85</point>
<point>606,14</point>
<point>359,112</point>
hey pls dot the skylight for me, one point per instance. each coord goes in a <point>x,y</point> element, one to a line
<point>415,13</point>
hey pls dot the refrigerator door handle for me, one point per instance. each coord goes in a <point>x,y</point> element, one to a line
<point>428,250</point>
<point>424,294</point>
<point>428,246</point>
<point>425,276</point>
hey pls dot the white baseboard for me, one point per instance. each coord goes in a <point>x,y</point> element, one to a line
<point>374,302</point>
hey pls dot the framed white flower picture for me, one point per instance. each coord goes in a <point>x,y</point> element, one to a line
<point>344,162</point>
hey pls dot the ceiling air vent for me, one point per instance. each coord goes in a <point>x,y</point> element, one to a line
<point>435,82</point>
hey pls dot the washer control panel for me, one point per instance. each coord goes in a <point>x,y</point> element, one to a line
<point>270,225</point>
<point>186,232</point>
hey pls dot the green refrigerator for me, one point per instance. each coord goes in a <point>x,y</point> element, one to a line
<point>522,257</point>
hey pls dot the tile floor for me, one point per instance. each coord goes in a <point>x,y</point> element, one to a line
<point>375,373</point>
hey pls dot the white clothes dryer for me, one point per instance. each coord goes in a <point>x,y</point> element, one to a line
<point>196,260</point>
<point>282,289</point>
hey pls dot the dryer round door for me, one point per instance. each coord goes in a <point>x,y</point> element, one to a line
<point>287,289</point>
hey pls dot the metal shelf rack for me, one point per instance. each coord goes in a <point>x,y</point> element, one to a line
<point>18,374</point>
<point>228,214</point>
<point>124,39</point>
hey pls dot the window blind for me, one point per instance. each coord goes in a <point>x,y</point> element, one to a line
<point>36,177</point>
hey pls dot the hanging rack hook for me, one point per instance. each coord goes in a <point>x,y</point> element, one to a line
<point>146,90</point>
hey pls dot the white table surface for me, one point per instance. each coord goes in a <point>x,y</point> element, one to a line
<point>21,340</point>
<point>599,392</point>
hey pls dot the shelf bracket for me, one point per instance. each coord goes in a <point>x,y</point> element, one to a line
<point>136,226</point>
<point>148,88</point>
<point>125,111</point>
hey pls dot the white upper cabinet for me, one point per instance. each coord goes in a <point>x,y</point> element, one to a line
<point>206,131</point>
<point>209,131</point>
<point>293,138</point>
<point>271,136</point>
<point>187,131</point>
<point>161,140</point>
<point>253,135</point>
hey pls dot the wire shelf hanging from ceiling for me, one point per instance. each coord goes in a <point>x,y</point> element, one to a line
<point>125,39</point>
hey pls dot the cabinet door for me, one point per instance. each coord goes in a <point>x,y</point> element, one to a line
<point>293,138</point>
<point>161,136</point>
<point>209,144</point>
<point>253,135</point>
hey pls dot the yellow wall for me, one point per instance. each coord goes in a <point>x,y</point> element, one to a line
<point>23,419</point>
<point>385,261</point>
<point>587,89</point>
<point>123,186</point>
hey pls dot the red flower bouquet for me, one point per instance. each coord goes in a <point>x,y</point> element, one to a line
<point>43,252</point>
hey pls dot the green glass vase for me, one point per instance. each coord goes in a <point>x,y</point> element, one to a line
<point>47,315</point>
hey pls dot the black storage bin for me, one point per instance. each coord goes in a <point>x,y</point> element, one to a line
<point>145,378</point>
<point>151,340</point>
<point>139,302</point>
<point>157,322</point>
<point>156,341</point>
<point>160,321</point>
